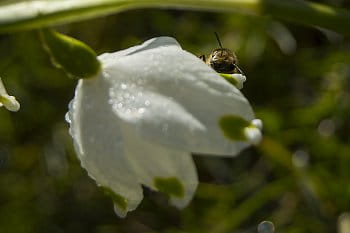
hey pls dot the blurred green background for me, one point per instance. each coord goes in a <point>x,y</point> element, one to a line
<point>298,178</point>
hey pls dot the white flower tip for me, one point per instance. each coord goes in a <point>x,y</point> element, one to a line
<point>120,212</point>
<point>257,123</point>
<point>237,128</point>
<point>179,203</point>
<point>9,102</point>
<point>240,80</point>
<point>253,134</point>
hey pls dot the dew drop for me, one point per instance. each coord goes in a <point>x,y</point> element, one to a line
<point>141,110</point>
<point>123,86</point>
<point>147,102</point>
<point>106,75</point>
<point>120,105</point>
<point>67,118</point>
<point>266,227</point>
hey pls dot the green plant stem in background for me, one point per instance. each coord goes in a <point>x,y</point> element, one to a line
<point>35,14</point>
<point>270,192</point>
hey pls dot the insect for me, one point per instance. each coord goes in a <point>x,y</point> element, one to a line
<point>222,60</point>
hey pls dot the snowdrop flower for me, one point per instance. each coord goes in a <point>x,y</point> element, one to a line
<point>138,121</point>
<point>8,101</point>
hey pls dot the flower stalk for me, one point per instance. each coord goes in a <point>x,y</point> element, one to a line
<point>36,14</point>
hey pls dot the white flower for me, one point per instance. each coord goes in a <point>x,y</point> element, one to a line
<point>235,79</point>
<point>8,101</point>
<point>140,119</point>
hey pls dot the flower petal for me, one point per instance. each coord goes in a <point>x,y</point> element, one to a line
<point>170,96</point>
<point>235,79</point>
<point>9,102</point>
<point>6,100</point>
<point>98,142</point>
<point>163,169</point>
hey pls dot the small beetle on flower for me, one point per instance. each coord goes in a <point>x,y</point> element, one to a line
<point>224,61</point>
<point>152,105</point>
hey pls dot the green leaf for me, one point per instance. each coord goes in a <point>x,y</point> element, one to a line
<point>36,14</point>
<point>72,55</point>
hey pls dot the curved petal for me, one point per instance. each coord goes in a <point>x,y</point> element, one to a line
<point>9,102</point>
<point>181,99</point>
<point>98,142</point>
<point>109,58</point>
<point>235,79</point>
<point>167,170</point>
<point>6,100</point>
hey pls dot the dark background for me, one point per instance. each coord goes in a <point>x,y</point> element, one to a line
<point>298,178</point>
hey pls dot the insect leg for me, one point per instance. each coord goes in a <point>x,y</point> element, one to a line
<point>202,57</point>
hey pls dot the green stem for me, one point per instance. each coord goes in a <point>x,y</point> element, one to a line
<point>270,192</point>
<point>336,19</point>
<point>35,14</point>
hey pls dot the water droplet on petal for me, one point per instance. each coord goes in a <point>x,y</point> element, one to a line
<point>67,118</point>
<point>141,110</point>
<point>106,75</point>
<point>147,102</point>
<point>123,86</point>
